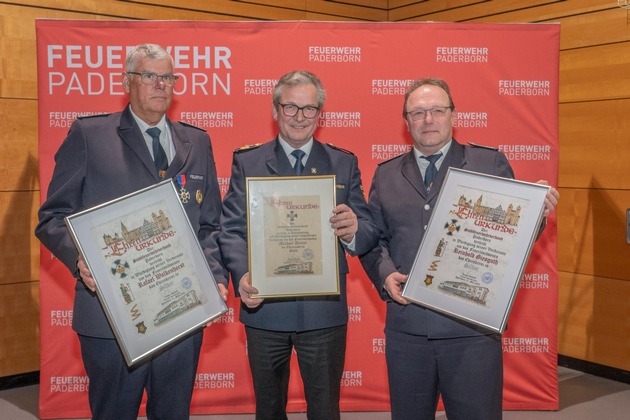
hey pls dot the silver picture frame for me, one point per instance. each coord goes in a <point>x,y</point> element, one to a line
<point>152,278</point>
<point>476,247</point>
<point>291,245</point>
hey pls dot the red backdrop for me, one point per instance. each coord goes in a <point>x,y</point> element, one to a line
<point>504,80</point>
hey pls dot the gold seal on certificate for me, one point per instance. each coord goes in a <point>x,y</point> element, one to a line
<point>151,275</point>
<point>476,247</point>
<point>292,247</point>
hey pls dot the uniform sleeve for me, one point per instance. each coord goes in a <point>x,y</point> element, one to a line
<point>503,167</point>
<point>233,236</point>
<point>377,263</point>
<point>367,233</point>
<point>209,223</point>
<point>64,198</point>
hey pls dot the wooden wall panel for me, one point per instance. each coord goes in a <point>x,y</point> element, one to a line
<point>461,10</point>
<point>277,9</point>
<point>583,163</point>
<point>394,4</point>
<point>594,319</point>
<point>377,4</point>
<point>595,73</point>
<point>19,248</point>
<point>18,144</point>
<point>328,18</point>
<point>18,61</point>
<point>550,11</point>
<point>592,232</point>
<point>580,27</point>
<point>341,9</point>
<point>232,9</point>
<point>597,28</point>
<point>585,23</point>
<point>416,10</point>
<point>19,323</point>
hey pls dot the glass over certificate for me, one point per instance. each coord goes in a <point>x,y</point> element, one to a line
<point>151,275</point>
<point>292,247</point>
<point>476,247</point>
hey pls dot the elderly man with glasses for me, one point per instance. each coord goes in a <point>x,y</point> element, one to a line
<point>105,157</point>
<point>313,326</point>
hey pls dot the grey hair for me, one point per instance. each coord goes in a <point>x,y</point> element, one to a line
<point>299,77</point>
<point>153,51</point>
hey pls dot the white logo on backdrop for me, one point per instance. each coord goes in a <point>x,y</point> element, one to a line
<point>526,151</point>
<point>524,87</point>
<point>461,54</point>
<point>215,380</point>
<point>525,344</point>
<point>334,54</point>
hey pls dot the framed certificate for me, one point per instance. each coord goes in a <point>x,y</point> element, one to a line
<point>151,275</point>
<point>476,247</point>
<point>292,247</point>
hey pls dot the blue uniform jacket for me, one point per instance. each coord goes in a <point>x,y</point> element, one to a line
<point>105,157</point>
<point>402,207</point>
<point>269,159</point>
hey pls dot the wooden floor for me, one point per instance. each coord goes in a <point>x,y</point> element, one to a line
<point>582,397</point>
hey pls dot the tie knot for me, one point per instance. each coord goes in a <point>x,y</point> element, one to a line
<point>431,170</point>
<point>299,166</point>
<point>154,132</point>
<point>298,154</point>
<point>433,158</point>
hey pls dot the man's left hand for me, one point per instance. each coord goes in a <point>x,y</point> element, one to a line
<point>223,291</point>
<point>344,222</point>
<point>551,200</point>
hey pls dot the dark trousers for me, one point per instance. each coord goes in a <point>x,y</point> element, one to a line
<point>321,356</point>
<point>467,372</point>
<point>116,390</point>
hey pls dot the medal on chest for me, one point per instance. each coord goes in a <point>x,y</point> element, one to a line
<point>184,195</point>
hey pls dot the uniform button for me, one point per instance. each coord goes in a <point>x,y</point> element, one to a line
<point>425,227</point>
<point>427,207</point>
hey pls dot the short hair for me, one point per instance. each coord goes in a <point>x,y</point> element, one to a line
<point>428,81</point>
<point>299,77</point>
<point>153,51</point>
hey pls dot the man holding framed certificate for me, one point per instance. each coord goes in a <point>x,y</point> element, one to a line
<point>427,352</point>
<point>108,156</point>
<point>312,324</point>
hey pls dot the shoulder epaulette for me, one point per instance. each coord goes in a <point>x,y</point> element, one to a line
<point>247,147</point>
<point>82,117</point>
<point>191,126</point>
<point>339,148</point>
<point>390,159</point>
<point>471,144</point>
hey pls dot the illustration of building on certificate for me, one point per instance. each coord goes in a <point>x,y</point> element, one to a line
<point>473,250</point>
<point>150,267</point>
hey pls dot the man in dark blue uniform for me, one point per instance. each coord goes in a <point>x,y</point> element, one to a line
<point>428,353</point>
<point>108,156</point>
<point>315,326</point>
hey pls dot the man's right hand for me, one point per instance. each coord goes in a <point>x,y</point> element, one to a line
<point>394,284</point>
<point>245,289</point>
<point>85,274</point>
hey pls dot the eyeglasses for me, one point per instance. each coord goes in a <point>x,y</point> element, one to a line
<point>421,114</point>
<point>149,78</point>
<point>291,110</point>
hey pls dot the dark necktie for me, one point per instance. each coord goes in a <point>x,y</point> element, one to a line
<point>159,156</point>
<point>431,169</point>
<point>299,166</point>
